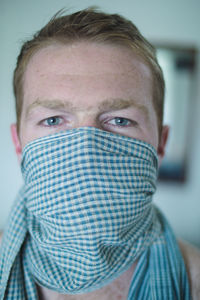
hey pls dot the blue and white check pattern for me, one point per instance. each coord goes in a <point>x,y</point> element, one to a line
<point>84,216</point>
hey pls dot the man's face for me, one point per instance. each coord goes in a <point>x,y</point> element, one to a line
<point>87,84</point>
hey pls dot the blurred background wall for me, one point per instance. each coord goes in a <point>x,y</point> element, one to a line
<point>167,22</point>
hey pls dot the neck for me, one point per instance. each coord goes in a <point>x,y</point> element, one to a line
<point>118,289</point>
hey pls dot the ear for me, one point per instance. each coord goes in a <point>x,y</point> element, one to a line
<point>16,141</point>
<point>162,143</point>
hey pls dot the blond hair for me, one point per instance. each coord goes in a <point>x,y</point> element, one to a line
<point>95,26</point>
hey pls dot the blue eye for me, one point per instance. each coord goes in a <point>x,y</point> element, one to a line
<point>52,121</point>
<point>120,122</point>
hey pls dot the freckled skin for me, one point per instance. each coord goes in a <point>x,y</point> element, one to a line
<point>87,74</point>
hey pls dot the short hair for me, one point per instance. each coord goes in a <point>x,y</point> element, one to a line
<point>96,26</point>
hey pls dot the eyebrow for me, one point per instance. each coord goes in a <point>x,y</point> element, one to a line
<point>104,106</point>
<point>118,104</point>
<point>50,104</point>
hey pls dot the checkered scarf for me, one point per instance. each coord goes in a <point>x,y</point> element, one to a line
<point>84,215</point>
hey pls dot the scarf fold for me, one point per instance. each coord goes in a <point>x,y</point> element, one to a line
<point>84,215</point>
<point>160,272</point>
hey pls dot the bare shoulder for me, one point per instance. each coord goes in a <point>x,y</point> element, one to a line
<point>191,257</point>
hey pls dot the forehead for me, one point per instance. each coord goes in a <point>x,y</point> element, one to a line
<point>88,65</point>
<point>87,56</point>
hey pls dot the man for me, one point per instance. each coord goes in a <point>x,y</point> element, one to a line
<point>89,137</point>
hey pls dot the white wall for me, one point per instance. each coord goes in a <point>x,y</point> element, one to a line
<point>174,21</point>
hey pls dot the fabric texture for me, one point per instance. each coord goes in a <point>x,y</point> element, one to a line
<point>84,215</point>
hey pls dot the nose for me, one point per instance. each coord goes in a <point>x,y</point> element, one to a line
<point>88,120</point>
<point>89,124</point>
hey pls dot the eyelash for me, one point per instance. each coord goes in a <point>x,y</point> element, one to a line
<point>50,118</point>
<point>121,119</point>
<point>107,121</point>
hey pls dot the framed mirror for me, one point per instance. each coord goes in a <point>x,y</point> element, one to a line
<point>178,64</point>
